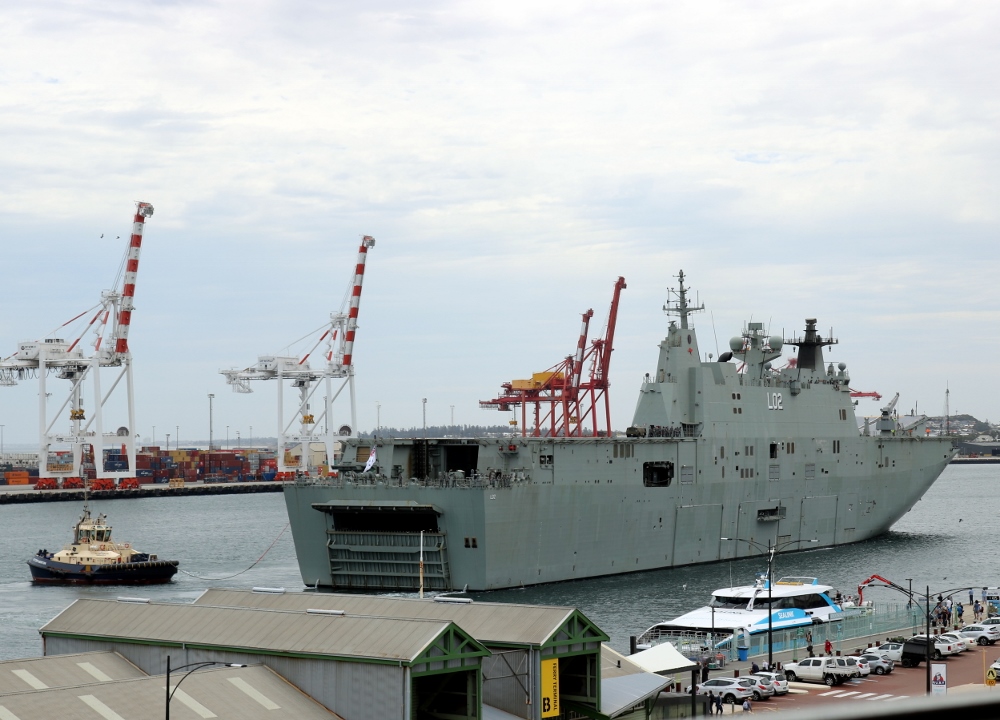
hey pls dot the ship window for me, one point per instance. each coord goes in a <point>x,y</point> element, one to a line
<point>722,451</point>
<point>740,411</point>
<point>729,603</point>
<point>657,474</point>
<point>790,448</point>
<point>836,446</point>
<point>810,471</point>
<point>774,450</point>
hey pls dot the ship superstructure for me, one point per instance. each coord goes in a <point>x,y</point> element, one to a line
<point>730,447</point>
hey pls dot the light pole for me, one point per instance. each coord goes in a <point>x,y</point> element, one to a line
<point>193,666</point>
<point>453,416</point>
<point>227,437</point>
<point>425,418</point>
<point>168,442</point>
<point>211,397</point>
<point>154,436</point>
<point>771,550</point>
<point>237,439</point>
<point>251,436</point>
<point>177,437</point>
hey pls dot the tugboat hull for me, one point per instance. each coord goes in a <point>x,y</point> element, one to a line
<point>151,572</point>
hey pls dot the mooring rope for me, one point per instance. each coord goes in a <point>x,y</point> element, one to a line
<point>255,562</point>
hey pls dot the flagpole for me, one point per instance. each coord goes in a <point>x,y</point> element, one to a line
<point>421,564</point>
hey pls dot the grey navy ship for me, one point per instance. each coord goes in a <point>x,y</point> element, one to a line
<point>726,448</point>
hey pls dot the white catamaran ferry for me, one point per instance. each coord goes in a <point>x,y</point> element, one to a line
<point>795,601</point>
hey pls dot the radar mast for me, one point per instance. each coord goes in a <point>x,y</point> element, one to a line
<point>677,302</point>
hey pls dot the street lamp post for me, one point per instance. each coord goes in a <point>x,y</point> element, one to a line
<point>771,550</point>
<point>425,418</point>
<point>177,437</point>
<point>211,397</point>
<point>227,437</point>
<point>193,666</point>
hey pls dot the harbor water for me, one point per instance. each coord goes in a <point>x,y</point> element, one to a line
<point>945,542</point>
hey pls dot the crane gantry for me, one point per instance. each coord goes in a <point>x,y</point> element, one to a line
<point>338,336</point>
<point>67,360</point>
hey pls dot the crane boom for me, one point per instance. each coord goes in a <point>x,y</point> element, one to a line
<point>68,361</point>
<point>338,335</point>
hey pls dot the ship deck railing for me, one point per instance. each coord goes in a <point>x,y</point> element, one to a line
<point>478,481</point>
<point>880,619</point>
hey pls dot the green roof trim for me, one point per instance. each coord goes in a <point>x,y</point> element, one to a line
<point>453,644</point>
<point>228,648</point>
<point>577,629</point>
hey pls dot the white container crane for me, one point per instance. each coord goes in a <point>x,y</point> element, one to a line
<point>67,360</point>
<point>300,429</point>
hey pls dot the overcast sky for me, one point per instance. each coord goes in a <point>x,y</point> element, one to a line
<point>835,160</point>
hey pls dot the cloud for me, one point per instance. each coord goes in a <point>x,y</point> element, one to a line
<point>512,160</point>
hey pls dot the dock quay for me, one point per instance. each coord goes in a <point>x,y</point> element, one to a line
<point>31,495</point>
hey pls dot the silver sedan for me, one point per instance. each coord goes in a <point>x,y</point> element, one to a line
<point>880,664</point>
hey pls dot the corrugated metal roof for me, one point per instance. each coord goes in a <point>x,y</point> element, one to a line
<point>614,664</point>
<point>64,670</point>
<point>486,622</point>
<point>253,693</point>
<point>623,693</point>
<point>245,628</point>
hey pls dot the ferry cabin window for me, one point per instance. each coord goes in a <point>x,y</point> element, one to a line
<point>799,602</point>
<point>657,474</point>
<point>774,450</point>
<point>729,603</point>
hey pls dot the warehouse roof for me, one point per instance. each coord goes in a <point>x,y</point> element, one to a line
<point>491,623</point>
<point>64,670</point>
<point>262,631</point>
<point>252,693</point>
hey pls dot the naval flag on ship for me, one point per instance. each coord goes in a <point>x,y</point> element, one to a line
<point>371,460</point>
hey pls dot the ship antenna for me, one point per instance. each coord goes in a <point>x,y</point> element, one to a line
<point>714,334</point>
<point>680,306</point>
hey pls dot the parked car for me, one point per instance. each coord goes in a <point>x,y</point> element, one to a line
<point>893,650</point>
<point>982,634</point>
<point>942,646</point>
<point>856,667</point>
<point>965,643</point>
<point>818,669</point>
<point>879,664</point>
<point>731,689</point>
<point>778,681</point>
<point>762,687</point>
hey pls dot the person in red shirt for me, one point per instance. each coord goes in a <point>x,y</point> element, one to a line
<point>828,647</point>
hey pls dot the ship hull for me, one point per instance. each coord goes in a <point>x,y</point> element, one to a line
<point>597,517</point>
<point>47,571</point>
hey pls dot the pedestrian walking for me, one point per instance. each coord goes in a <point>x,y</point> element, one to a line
<point>971,596</point>
<point>828,647</point>
<point>959,610</point>
<point>711,702</point>
<point>809,650</point>
<point>754,668</point>
<point>718,704</point>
